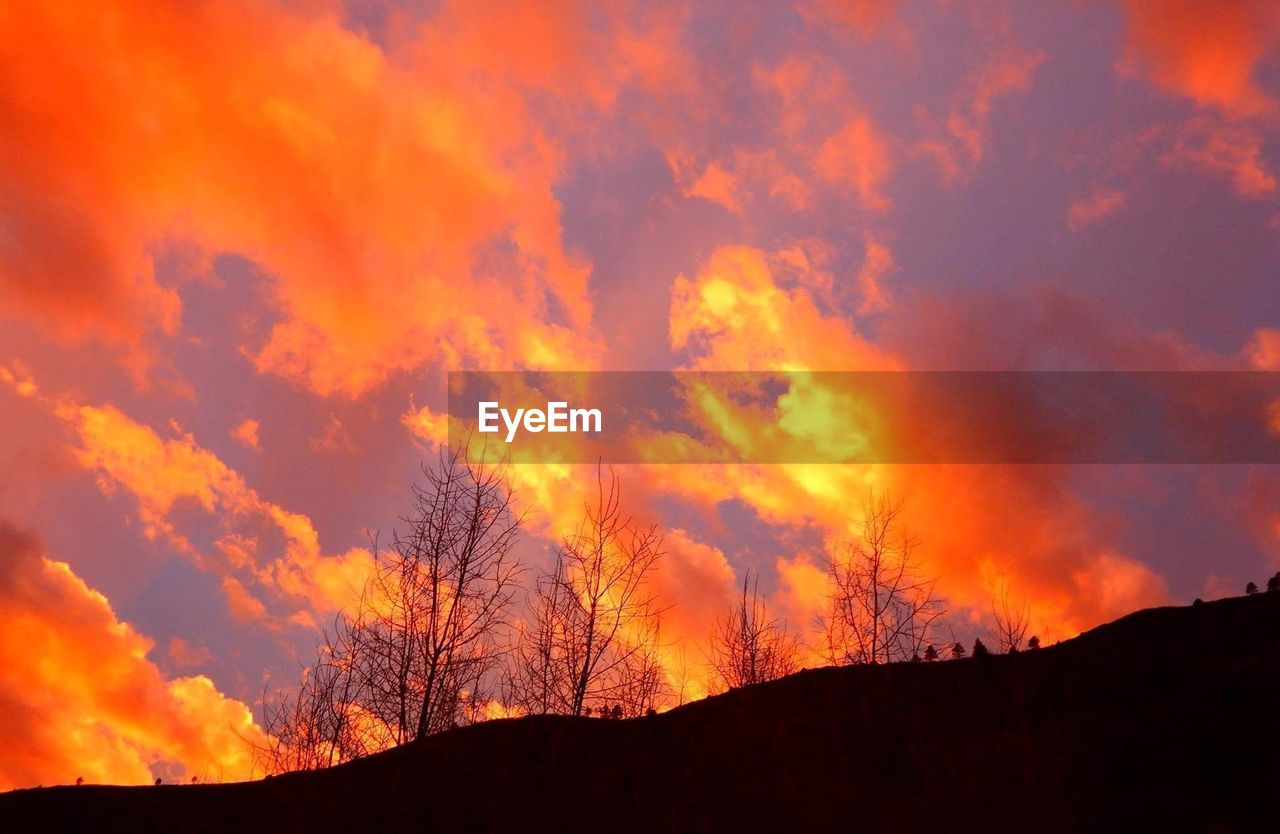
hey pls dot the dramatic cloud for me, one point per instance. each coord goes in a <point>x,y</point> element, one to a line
<point>1206,50</point>
<point>391,208</point>
<point>982,527</point>
<point>734,316</point>
<point>81,698</point>
<point>163,474</point>
<point>242,244</point>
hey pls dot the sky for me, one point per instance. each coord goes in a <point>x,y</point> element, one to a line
<point>242,244</point>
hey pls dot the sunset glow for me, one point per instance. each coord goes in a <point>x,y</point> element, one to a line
<point>243,243</point>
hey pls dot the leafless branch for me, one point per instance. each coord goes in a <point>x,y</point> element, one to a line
<point>881,609</point>
<point>748,646</point>
<point>1012,620</point>
<point>424,645</point>
<point>591,639</point>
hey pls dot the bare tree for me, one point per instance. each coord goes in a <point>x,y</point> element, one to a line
<point>590,641</point>
<point>680,688</point>
<point>421,651</point>
<point>439,600</point>
<point>748,646</point>
<point>642,682</point>
<point>316,726</point>
<point>882,610</point>
<point>1012,620</point>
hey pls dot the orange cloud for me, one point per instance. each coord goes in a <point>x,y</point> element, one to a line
<point>1205,50</point>
<point>1228,149</point>
<point>17,377</point>
<point>188,655</point>
<point>734,316</point>
<point>163,474</point>
<point>426,425</point>
<point>822,135</point>
<point>741,176</point>
<point>388,204</point>
<point>696,581</point>
<point>866,17</point>
<point>398,196</point>
<point>958,141</point>
<point>808,89</point>
<point>980,528</point>
<point>858,154</point>
<point>247,433</point>
<point>803,592</point>
<point>1101,202</point>
<point>877,264</point>
<point>719,186</point>
<point>82,699</point>
<point>335,438</point>
<point>1019,522</point>
<point>1263,349</point>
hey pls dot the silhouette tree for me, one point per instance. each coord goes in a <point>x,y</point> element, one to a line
<point>1034,642</point>
<point>1012,620</point>
<point>591,638</point>
<point>980,648</point>
<point>930,653</point>
<point>317,725</point>
<point>1273,584</point>
<point>747,646</point>
<point>1251,588</point>
<point>440,601</point>
<point>957,650</point>
<point>881,609</point>
<point>419,653</point>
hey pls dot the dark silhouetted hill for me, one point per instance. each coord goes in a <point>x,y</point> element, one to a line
<point>1166,720</point>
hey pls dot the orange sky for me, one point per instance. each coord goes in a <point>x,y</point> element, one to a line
<point>241,243</point>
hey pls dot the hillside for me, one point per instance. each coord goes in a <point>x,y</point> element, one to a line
<point>1163,720</point>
